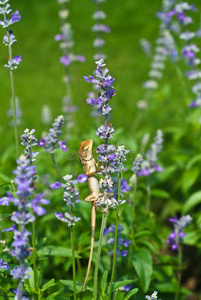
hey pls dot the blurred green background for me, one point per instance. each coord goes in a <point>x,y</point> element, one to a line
<point>38,79</point>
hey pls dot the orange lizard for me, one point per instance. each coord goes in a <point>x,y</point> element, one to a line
<point>91,168</point>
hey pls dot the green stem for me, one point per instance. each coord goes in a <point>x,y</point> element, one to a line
<point>20,288</point>
<point>55,165</point>
<point>133,224</point>
<point>34,257</point>
<point>182,82</point>
<point>103,224</point>
<point>116,236</point>
<point>79,269</point>
<point>73,255</point>
<point>13,94</point>
<point>148,193</point>
<point>179,272</point>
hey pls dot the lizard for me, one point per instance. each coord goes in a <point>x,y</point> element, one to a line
<point>91,168</point>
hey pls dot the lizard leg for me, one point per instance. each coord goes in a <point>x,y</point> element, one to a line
<point>92,197</point>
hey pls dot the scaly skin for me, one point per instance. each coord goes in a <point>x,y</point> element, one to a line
<point>90,168</point>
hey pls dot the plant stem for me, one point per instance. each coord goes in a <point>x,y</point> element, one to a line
<point>34,257</point>
<point>182,81</point>
<point>73,255</point>
<point>116,236</point>
<point>148,193</point>
<point>103,224</point>
<point>179,272</point>
<point>133,224</point>
<point>13,94</point>
<point>55,165</point>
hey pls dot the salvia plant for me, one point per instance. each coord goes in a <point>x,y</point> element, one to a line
<point>13,61</point>
<point>66,43</point>
<point>143,182</point>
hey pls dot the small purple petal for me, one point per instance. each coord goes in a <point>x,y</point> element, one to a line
<point>55,185</point>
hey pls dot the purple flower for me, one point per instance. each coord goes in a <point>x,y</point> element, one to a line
<point>105,132</point>
<point>67,218</point>
<point>39,210</point>
<point>55,185</point>
<point>4,201</point>
<point>59,37</point>
<point>127,287</point>
<point>149,166</point>
<point>24,180</point>
<point>124,186</point>
<point>65,60</point>
<point>177,235</point>
<point>18,273</point>
<point>80,58</point>
<point>71,196</point>
<point>42,143</point>
<point>50,142</point>
<point>82,178</point>
<point>124,253</point>
<point>120,241</point>
<point>15,17</point>
<point>63,146</point>
<point>153,296</point>
<point>4,265</point>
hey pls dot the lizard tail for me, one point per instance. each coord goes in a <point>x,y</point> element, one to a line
<point>93,224</point>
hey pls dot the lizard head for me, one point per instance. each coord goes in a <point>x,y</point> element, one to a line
<point>85,150</point>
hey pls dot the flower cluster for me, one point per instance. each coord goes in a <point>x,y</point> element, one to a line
<point>106,151</point>
<point>51,141</point>
<point>120,158</point>
<point>153,296</point>
<point>150,164</point>
<point>190,49</point>
<point>29,140</point>
<point>137,164</point>
<point>121,243</point>
<point>65,38</point>
<point>66,46</point>
<point>4,265</point>
<point>99,42</point>
<point>9,39</point>
<point>165,46</point>
<point>177,235</point>
<point>24,182</point>
<point>71,196</point>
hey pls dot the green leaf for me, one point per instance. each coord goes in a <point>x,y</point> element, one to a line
<point>120,209</point>
<point>159,193</point>
<point>4,178</point>
<point>70,285</point>
<point>192,161</point>
<point>189,177</point>
<point>131,293</point>
<point>5,216</point>
<point>166,287</point>
<point>143,265</point>
<point>104,282</point>
<point>193,238</point>
<point>56,251</point>
<point>48,284</point>
<point>119,295</point>
<point>192,201</point>
<point>118,284</point>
